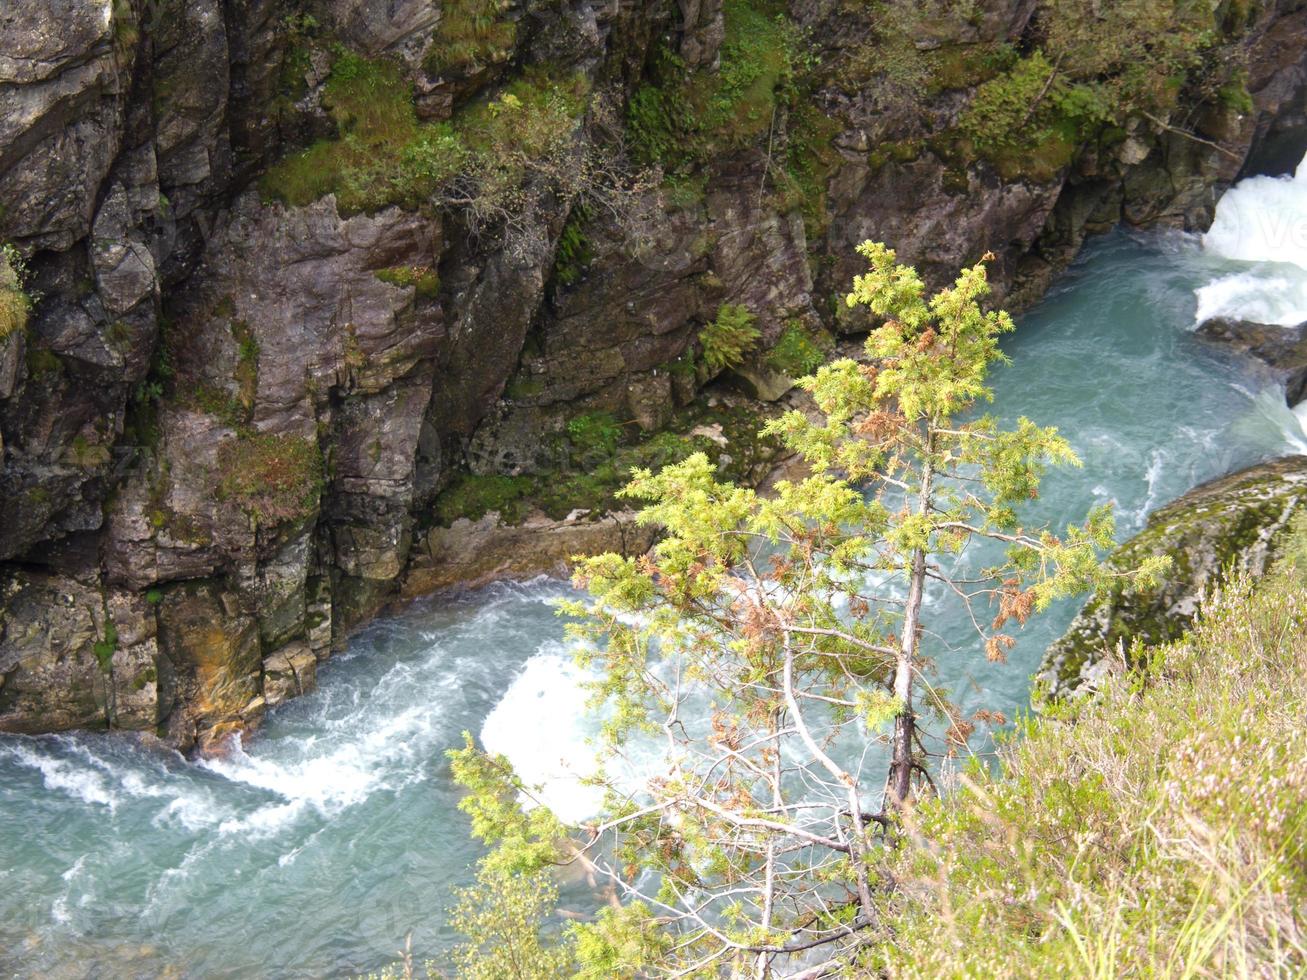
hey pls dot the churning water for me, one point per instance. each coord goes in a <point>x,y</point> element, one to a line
<point>334,833</point>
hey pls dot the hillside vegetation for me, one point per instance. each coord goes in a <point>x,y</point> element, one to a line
<point>1157,829</point>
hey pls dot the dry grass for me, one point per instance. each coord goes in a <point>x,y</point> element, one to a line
<point>1161,832</point>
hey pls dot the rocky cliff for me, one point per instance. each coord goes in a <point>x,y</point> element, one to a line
<point>294,290</point>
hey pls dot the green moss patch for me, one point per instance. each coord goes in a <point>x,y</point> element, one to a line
<point>423,279</point>
<point>273,478</point>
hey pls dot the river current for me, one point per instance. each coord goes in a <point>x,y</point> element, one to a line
<point>316,848</point>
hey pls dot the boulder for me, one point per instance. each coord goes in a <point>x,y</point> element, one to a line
<point>1282,349</point>
<point>1240,521</point>
<point>472,553</point>
<point>288,673</point>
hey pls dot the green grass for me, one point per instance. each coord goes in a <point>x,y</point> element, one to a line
<point>382,155</point>
<point>1158,829</point>
<point>471,35</point>
<point>14,301</point>
<point>273,478</point>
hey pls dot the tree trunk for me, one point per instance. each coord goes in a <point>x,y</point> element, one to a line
<point>905,723</point>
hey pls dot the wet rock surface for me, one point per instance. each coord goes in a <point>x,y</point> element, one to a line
<point>1283,349</point>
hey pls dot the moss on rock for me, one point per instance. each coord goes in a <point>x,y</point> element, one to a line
<point>1242,522</point>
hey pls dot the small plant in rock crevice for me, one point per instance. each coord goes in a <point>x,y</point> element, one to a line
<point>273,478</point>
<point>728,338</point>
<point>15,303</point>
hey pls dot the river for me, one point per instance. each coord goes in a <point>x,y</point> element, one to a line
<point>315,849</point>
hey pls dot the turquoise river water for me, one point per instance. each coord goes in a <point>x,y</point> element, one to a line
<point>315,849</point>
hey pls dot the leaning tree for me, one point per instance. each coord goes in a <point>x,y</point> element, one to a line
<point>772,645</point>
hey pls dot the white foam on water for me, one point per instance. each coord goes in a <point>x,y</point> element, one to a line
<point>1260,222</point>
<point>327,776</point>
<point>1153,478</point>
<point>540,725</point>
<point>1261,296</point>
<point>1262,219</point>
<point>67,777</point>
<point>1270,421</point>
<point>59,908</point>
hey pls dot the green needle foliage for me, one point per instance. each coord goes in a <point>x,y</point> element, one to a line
<point>773,646</point>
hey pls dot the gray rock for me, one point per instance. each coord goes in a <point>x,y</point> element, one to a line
<point>75,656</point>
<point>288,673</point>
<point>1238,521</point>
<point>1282,349</point>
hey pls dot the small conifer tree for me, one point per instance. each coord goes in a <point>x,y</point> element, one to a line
<point>773,647</point>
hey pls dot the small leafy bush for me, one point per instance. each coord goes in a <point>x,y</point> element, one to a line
<point>797,352</point>
<point>574,253</point>
<point>14,301</point>
<point>728,338</point>
<point>594,433</point>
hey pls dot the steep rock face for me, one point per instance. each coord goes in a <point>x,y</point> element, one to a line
<point>1241,520</point>
<point>230,420</point>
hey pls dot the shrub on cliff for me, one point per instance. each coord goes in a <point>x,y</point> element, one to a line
<point>1095,66</point>
<point>273,478</point>
<point>771,645</point>
<point>728,338</point>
